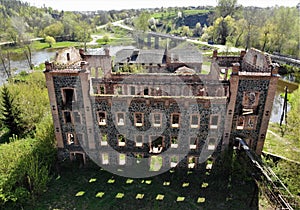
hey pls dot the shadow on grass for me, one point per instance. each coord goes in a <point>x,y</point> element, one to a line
<point>222,187</point>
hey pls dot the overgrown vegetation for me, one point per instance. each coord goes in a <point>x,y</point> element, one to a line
<point>28,154</point>
<point>25,167</point>
<point>287,144</point>
<point>285,141</point>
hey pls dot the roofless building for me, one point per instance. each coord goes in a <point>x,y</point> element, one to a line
<point>168,110</point>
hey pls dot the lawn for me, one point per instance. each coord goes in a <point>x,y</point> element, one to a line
<point>42,45</point>
<point>94,188</point>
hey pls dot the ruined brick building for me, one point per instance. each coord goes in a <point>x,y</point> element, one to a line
<point>180,114</point>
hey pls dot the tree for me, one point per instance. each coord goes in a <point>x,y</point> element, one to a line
<point>11,114</point>
<point>28,55</point>
<point>226,8</point>
<point>142,22</point>
<point>50,40</point>
<point>239,32</point>
<point>19,24</point>
<point>106,38</point>
<point>198,29</point>
<point>220,31</point>
<point>55,29</point>
<point>284,33</point>
<point>294,118</point>
<point>5,61</point>
<point>186,31</point>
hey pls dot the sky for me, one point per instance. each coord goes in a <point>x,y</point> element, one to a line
<point>92,5</point>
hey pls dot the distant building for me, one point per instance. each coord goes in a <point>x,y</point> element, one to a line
<point>170,109</point>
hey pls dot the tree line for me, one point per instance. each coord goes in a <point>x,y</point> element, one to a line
<point>273,29</point>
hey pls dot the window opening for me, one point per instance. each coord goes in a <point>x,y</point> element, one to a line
<point>139,119</point>
<point>102,118</point>
<point>146,92</point>
<point>102,89</point>
<point>105,158</point>
<point>214,121</point>
<point>250,123</point>
<point>211,144</point>
<point>156,145</point>
<point>138,157</point>
<point>193,142</point>
<point>139,141</point>
<point>67,116</point>
<point>240,124</point>
<point>195,121</point>
<point>103,140</point>
<point>156,162</point>
<point>122,159</point>
<point>191,162</point>
<point>120,119</point>
<point>70,138</point>
<point>174,142</point>
<point>174,161</point>
<point>254,60</point>
<point>77,117</point>
<point>119,90</point>
<point>132,90</point>
<point>157,120</point>
<point>121,140</point>
<point>68,96</point>
<point>175,120</point>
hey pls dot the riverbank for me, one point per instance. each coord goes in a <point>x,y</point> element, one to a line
<point>37,46</point>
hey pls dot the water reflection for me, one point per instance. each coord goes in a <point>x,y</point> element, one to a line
<point>277,108</point>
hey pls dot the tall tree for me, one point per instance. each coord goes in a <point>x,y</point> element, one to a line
<point>198,29</point>
<point>227,8</point>
<point>5,61</point>
<point>142,22</point>
<point>11,114</point>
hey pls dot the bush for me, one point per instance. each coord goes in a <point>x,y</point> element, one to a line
<point>25,166</point>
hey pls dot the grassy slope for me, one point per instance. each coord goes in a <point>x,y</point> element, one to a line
<point>279,145</point>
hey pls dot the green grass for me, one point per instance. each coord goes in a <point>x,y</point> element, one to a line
<point>115,41</point>
<point>42,45</point>
<point>37,45</point>
<point>173,14</point>
<point>195,12</point>
<point>281,145</point>
<point>73,189</point>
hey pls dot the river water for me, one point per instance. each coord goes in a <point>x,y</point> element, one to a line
<point>42,56</point>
